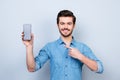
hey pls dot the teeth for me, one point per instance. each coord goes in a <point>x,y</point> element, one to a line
<point>65,30</point>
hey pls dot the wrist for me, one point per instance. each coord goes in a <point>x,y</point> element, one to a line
<point>29,49</point>
<point>29,46</point>
<point>80,57</point>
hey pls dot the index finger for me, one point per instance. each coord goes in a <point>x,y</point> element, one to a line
<point>68,47</point>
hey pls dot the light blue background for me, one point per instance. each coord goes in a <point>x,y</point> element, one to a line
<point>98,25</point>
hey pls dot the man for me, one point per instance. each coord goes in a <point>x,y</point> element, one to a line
<point>66,55</point>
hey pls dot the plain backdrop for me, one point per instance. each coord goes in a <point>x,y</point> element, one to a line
<point>98,26</point>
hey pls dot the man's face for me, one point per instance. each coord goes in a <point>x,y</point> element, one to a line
<point>66,26</point>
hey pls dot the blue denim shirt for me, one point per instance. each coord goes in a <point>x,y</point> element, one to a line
<point>62,66</point>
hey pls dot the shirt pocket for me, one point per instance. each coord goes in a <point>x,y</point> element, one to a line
<point>75,63</point>
<point>58,62</point>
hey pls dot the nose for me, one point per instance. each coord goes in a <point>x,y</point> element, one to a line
<point>66,25</point>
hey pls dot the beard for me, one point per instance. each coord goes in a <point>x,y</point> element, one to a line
<point>66,35</point>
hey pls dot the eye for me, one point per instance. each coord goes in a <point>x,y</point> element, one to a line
<point>70,23</point>
<point>62,23</point>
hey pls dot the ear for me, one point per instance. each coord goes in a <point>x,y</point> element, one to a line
<point>73,25</point>
<point>57,24</point>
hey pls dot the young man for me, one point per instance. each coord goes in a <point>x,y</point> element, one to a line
<point>66,55</point>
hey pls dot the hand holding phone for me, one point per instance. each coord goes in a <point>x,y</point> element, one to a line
<point>27,31</point>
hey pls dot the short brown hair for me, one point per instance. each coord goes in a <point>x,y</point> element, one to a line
<point>66,13</point>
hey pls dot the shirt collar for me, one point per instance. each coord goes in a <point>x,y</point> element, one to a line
<point>60,41</point>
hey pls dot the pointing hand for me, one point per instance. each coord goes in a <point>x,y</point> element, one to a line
<point>75,53</point>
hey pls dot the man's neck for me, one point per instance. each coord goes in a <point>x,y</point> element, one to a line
<point>67,40</point>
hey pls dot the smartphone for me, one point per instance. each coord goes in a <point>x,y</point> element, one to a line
<point>27,31</point>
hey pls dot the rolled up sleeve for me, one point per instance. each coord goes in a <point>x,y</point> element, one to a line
<point>88,52</point>
<point>41,58</point>
<point>100,67</point>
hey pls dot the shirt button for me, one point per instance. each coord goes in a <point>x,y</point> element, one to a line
<point>65,74</point>
<point>65,65</point>
<point>66,57</point>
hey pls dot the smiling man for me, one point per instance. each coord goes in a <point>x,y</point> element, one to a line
<point>66,55</point>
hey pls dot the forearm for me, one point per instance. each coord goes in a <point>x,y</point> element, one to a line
<point>88,62</point>
<point>30,58</point>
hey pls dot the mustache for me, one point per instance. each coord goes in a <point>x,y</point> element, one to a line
<point>65,29</point>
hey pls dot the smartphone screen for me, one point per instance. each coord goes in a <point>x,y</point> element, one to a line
<point>27,31</point>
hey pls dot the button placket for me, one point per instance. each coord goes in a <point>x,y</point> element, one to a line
<point>66,64</point>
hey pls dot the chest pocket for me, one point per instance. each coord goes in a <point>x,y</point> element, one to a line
<point>57,60</point>
<point>58,57</point>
